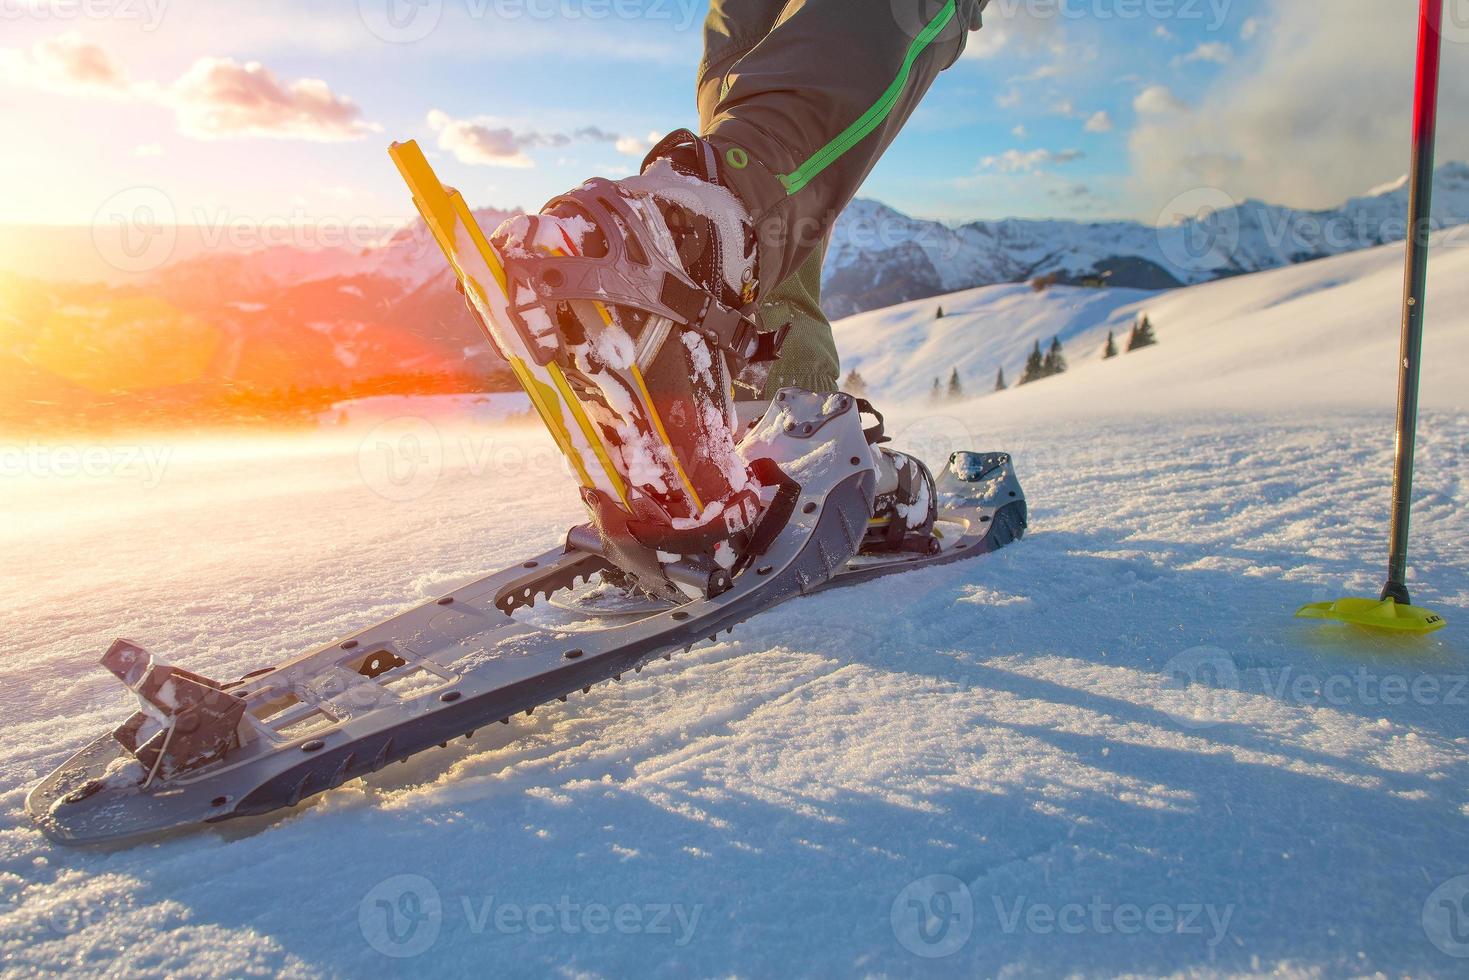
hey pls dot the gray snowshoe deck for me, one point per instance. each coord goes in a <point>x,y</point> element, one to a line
<point>470,658</point>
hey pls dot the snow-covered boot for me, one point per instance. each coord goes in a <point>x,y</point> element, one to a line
<point>642,292</point>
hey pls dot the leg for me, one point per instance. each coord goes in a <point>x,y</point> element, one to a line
<point>802,118</point>
<point>809,356</point>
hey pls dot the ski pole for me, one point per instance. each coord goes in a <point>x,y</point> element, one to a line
<point>1420,206</point>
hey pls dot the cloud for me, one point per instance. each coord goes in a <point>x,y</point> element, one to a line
<point>1100,122</point>
<point>1318,113</point>
<point>1028,161</point>
<point>1158,100</point>
<point>1020,132</point>
<point>1069,192</point>
<point>219,98</point>
<point>1250,29</point>
<point>1009,99</point>
<point>485,142</point>
<point>1015,28</point>
<point>1215,52</point>
<point>68,64</point>
<point>478,142</point>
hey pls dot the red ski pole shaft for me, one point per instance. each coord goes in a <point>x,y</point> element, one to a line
<point>1420,206</point>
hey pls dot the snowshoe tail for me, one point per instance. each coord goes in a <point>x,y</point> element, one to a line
<point>200,752</point>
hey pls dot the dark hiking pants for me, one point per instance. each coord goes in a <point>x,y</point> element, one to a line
<point>801,98</point>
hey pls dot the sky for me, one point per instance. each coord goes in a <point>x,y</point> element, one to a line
<point>282,110</point>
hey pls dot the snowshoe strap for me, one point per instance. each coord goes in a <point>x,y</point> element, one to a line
<point>631,273</point>
<point>876,434</point>
<point>776,516</point>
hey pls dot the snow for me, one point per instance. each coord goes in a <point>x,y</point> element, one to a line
<point>1321,334</point>
<point>1113,735</point>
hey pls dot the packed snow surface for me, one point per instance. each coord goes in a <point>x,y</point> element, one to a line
<point>1107,749</point>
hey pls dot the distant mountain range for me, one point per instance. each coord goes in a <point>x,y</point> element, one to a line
<point>228,334</point>
<point>879,256</point>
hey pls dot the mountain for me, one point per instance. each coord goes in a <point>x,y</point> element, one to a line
<point>222,334</point>
<point>880,256</point>
<point>227,336</point>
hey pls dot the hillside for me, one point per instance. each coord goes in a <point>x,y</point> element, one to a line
<point>1319,334</point>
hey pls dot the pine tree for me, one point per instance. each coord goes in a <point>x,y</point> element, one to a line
<point>936,393</point>
<point>1142,335</point>
<point>1110,351</point>
<point>1054,362</point>
<point>941,314</point>
<point>1000,380</point>
<point>855,384</point>
<point>1034,366</point>
<point>956,388</point>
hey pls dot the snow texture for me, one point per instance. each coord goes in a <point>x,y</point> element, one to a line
<point>1115,716</point>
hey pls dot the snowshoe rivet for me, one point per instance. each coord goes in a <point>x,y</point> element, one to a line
<point>448,696</point>
<point>470,734</point>
<point>587,689</point>
<point>529,564</point>
<point>313,745</point>
<point>617,677</point>
<point>1012,493</point>
<point>443,745</point>
<point>349,644</point>
<point>572,654</point>
<point>638,669</point>
<point>806,429</point>
<point>553,278</point>
<point>504,721</point>
<point>446,600</point>
<point>856,460</point>
<point>561,698</point>
<point>669,656</point>
<point>780,396</point>
<point>985,519</point>
<point>680,615</point>
<point>810,507</point>
<point>219,801</point>
<point>764,570</point>
<point>529,712</point>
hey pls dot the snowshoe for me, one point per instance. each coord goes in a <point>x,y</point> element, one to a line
<point>784,513</point>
